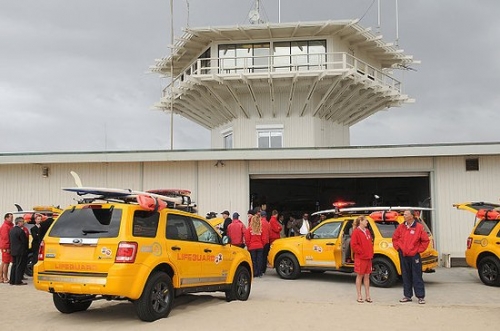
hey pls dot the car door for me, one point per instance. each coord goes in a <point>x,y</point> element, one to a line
<point>184,249</point>
<point>322,247</point>
<point>217,258</point>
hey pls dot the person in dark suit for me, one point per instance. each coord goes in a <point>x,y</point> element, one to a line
<point>18,249</point>
<point>36,235</point>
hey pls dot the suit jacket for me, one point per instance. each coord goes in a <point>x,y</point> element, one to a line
<point>18,241</point>
<point>36,234</point>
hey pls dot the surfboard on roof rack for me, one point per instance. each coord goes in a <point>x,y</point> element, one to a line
<point>369,209</point>
<point>178,202</point>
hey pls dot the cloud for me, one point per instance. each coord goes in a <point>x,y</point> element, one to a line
<point>75,73</point>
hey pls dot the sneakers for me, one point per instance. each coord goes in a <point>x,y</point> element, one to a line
<point>421,301</point>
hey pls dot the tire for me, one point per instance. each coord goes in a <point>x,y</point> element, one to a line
<point>489,271</point>
<point>67,305</point>
<point>240,288</point>
<point>29,266</point>
<point>157,298</point>
<point>287,266</point>
<point>384,273</point>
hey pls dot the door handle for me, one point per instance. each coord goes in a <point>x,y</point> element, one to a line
<point>330,244</point>
<point>206,250</point>
<point>176,248</point>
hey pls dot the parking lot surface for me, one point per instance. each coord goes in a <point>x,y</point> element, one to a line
<point>456,300</point>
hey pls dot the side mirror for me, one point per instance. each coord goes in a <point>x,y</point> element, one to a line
<point>309,235</point>
<point>226,240</point>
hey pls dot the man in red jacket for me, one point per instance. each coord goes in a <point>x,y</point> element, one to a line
<point>236,231</point>
<point>5,246</point>
<point>410,239</point>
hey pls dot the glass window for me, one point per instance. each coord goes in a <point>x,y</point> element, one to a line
<point>179,228</point>
<point>228,141</point>
<point>327,230</point>
<point>299,55</point>
<point>205,62</point>
<point>270,138</point>
<point>484,227</point>
<point>386,228</point>
<point>281,56</point>
<point>205,232</point>
<point>91,222</point>
<point>244,57</point>
<point>145,223</point>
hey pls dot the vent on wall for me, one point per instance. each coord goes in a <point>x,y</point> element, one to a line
<point>472,164</point>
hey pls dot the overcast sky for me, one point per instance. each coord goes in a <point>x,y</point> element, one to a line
<point>74,74</point>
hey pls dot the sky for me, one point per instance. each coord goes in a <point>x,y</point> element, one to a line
<point>74,75</point>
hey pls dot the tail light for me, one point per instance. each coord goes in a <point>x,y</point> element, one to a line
<point>41,251</point>
<point>126,252</point>
<point>469,242</point>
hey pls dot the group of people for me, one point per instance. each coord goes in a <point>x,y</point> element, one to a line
<point>14,244</point>
<point>257,237</point>
<point>410,239</point>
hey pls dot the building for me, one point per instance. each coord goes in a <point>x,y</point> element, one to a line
<point>279,100</point>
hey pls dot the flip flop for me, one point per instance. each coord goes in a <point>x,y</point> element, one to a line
<point>369,300</point>
<point>360,300</point>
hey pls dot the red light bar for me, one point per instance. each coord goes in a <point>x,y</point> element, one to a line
<point>343,204</point>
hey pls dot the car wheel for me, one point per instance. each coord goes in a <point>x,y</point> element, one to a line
<point>489,271</point>
<point>384,273</point>
<point>287,266</point>
<point>240,288</point>
<point>68,305</point>
<point>29,266</point>
<point>157,298</point>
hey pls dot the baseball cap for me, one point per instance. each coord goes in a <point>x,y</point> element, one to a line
<point>236,215</point>
<point>225,212</point>
<point>263,213</point>
<point>251,212</point>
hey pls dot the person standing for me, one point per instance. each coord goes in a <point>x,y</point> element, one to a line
<point>275,227</point>
<point>236,231</point>
<point>266,232</point>
<point>18,249</point>
<point>255,244</point>
<point>5,246</point>
<point>410,239</point>
<point>302,226</point>
<point>362,246</point>
<point>225,223</point>
<point>36,235</point>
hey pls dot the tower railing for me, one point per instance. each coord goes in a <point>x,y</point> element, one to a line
<point>292,63</point>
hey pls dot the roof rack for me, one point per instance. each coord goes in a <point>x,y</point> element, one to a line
<point>367,210</point>
<point>173,201</point>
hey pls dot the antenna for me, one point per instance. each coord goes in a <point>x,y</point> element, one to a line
<point>187,5</point>
<point>279,11</point>
<point>254,14</point>
<point>378,17</point>
<point>397,24</point>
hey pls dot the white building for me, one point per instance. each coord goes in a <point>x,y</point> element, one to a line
<point>279,100</point>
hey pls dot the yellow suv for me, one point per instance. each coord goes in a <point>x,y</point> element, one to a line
<point>327,246</point>
<point>127,245</point>
<point>483,244</point>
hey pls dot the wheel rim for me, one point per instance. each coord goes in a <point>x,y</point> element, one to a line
<point>160,297</point>
<point>242,285</point>
<point>489,272</point>
<point>286,267</point>
<point>380,273</point>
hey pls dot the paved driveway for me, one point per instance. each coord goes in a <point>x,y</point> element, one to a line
<point>456,300</point>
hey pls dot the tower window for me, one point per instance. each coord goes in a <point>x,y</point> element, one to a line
<point>270,136</point>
